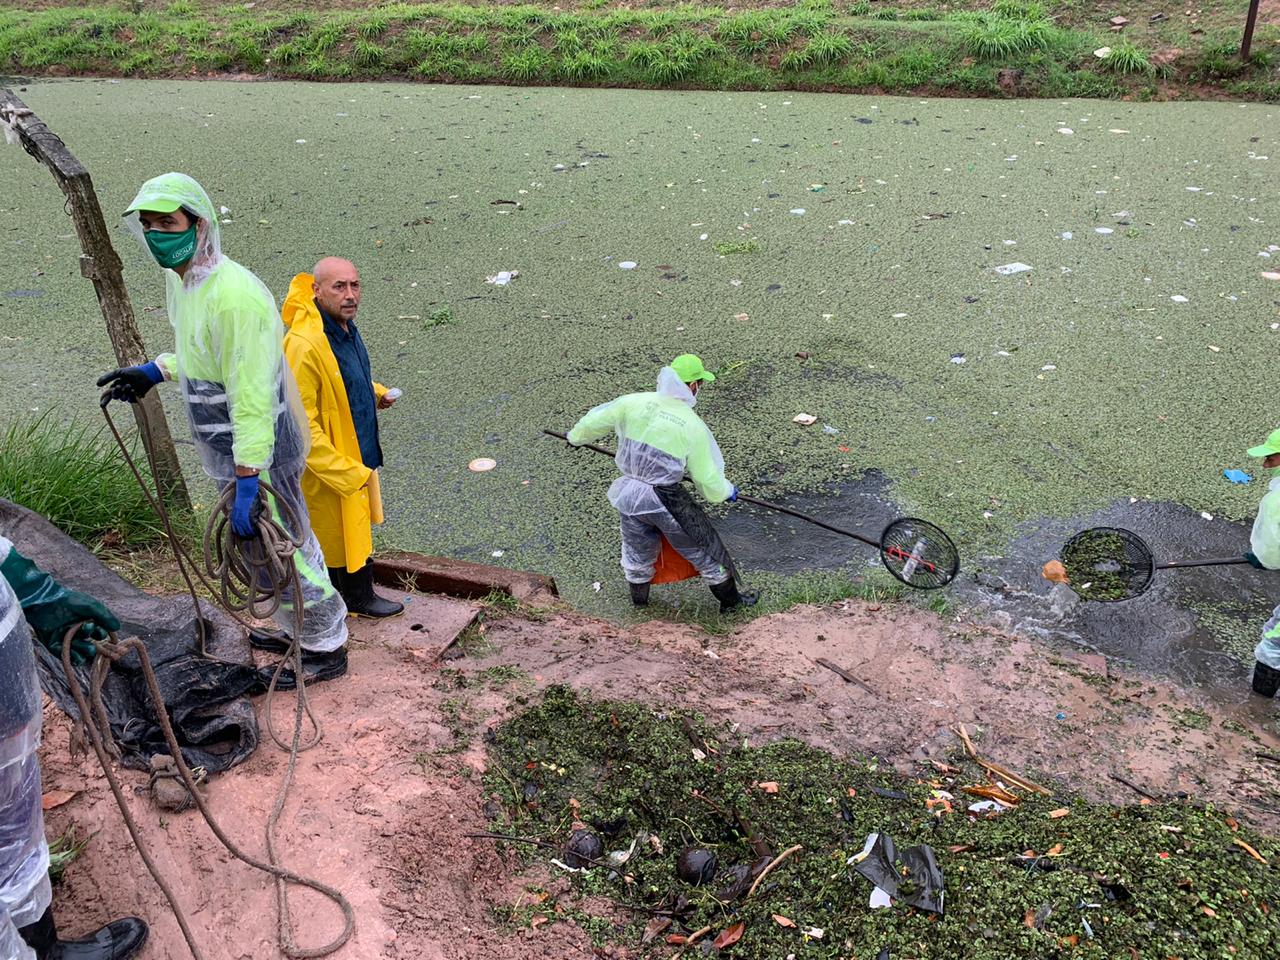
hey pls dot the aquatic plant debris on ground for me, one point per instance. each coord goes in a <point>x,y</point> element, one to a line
<point>1048,876</point>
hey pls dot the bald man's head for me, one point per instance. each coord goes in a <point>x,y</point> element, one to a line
<point>337,288</point>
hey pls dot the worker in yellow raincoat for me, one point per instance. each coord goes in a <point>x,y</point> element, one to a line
<point>330,363</point>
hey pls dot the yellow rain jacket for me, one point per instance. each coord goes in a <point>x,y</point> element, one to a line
<point>342,493</point>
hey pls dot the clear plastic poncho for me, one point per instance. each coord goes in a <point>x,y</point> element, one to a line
<point>660,439</point>
<point>241,398</point>
<point>228,356</point>
<point>1265,544</point>
<point>25,893</point>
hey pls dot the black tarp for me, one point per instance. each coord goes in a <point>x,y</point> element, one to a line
<point>206,699</point>
<point>911,875</point>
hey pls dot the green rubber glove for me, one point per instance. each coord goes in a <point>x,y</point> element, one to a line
<point>51,609</point>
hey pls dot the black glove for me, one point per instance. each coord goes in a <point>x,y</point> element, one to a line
<point>129,384</point>
<point>1254,561</point>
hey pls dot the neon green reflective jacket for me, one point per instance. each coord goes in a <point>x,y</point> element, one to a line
<point>1265,539</point>
<point>660,439</point>
<point>227,332</point>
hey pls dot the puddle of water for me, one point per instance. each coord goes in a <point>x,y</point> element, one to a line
<point>1197,626</point>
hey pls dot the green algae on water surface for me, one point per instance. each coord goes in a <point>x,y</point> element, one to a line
<point>870,283</point>
<point>1234,625</point>
<point>1180,885</point>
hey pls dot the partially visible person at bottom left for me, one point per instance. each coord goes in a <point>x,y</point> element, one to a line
<point>33,603</point>
<point>246,418</point>
<point>329,360</point>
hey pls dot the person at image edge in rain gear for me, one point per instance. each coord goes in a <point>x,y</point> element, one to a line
<point>241,400</point>
<point>1264,553</point>
<point>659,439</point>
<point>35,606</point>
<point>329,361</point>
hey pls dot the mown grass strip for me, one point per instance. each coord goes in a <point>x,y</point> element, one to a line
<point>812,45</point>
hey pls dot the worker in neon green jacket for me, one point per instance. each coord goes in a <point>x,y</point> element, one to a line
<point>241,400</point>
<point>660,439</point>
<point>1264,553</point>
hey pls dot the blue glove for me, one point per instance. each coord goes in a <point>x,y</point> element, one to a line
<point>130,384</point>
<point>1254,561</point>
<point>242,510</point>
<point>733,496</point>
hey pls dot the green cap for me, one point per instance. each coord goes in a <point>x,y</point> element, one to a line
<point>156,204</point>
<point>1269,446</point>
<point>689,368</point>
<point>169,192</point>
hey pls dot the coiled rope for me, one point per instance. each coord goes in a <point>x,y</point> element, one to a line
<point>246,577</point>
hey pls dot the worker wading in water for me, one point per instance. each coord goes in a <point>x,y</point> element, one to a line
<point>1264,553</point>
<point>242,402</point>
<point>665,535</point>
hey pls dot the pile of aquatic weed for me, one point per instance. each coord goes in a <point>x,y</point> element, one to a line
<point>1155,881</point>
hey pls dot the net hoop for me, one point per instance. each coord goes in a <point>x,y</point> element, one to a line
<point>1108,564</point>
<point>919,554</point>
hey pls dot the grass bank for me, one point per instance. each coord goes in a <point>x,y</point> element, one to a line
<point>77,479</point>
<point>1008,48</point>
<point>1052,876</point>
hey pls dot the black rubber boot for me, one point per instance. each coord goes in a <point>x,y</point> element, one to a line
<point>729,597</point>
<point>1266,680</point>
<point>362,601</point>
<point>338,577</point>
<point>277,642</point>
<point>316,668</point>
<point>118,940</point>
<point>639,594</point>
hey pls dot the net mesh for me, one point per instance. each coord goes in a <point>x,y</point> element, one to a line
<point>1107,564</point>
<point>919,554</point>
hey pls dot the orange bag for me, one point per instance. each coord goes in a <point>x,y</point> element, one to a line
<point>672,566</point>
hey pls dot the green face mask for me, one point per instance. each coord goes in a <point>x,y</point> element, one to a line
<point>172,249</point>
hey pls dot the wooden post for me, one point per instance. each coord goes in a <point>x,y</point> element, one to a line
<point>1251,21</point>
<point>100,264</point>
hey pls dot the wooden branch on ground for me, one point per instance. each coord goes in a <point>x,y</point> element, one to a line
<point>1004,773</point>
<point>1134,787</point>
<point>843,673</point>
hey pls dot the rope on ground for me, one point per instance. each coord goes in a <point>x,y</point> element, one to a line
<point>252,577</point>
<point>98,726</point>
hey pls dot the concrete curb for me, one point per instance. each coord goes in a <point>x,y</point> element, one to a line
<point>459,578</point>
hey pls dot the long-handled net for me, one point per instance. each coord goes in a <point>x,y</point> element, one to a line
<point>1110,564</point>
<point>916,552</point>
<point>919,553</point>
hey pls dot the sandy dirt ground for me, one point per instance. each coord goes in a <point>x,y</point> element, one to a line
<point>381,807</point>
